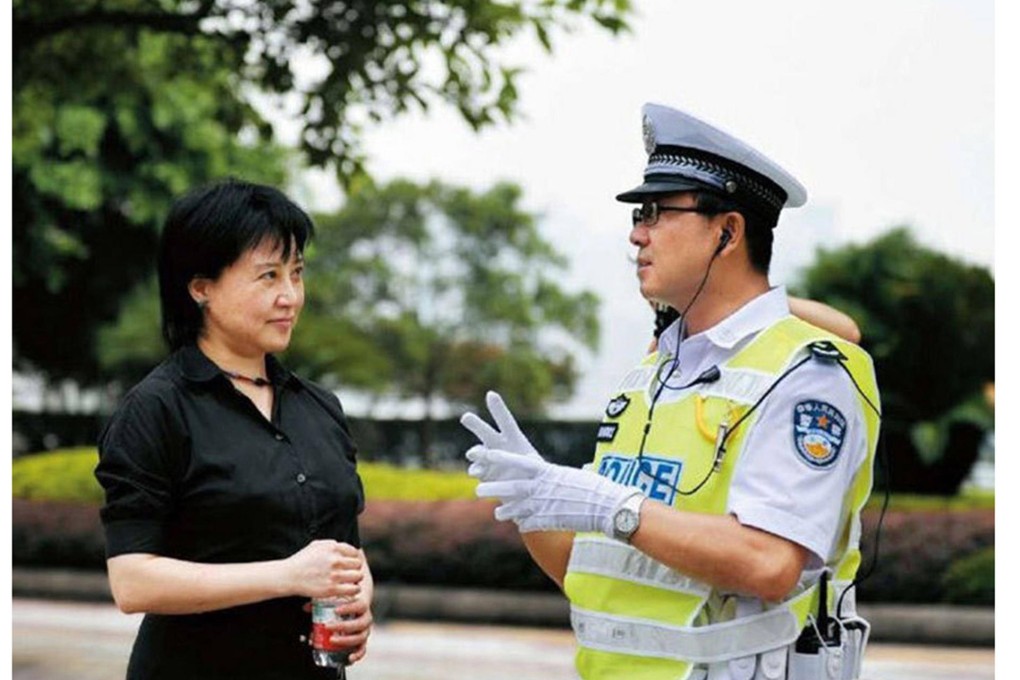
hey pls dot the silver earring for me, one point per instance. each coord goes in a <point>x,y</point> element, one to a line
<point>202,304</point>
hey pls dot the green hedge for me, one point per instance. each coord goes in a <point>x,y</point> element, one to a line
<point>66,476</point>
<point>971,580</point>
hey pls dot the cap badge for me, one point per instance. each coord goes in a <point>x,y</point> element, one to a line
<point>731,187</point>
<point>648,133</point>
<point>617,406</point>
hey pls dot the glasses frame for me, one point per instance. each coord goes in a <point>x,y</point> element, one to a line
<point>647,214</point>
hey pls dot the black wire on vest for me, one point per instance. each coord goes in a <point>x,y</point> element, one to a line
<point>721,444</point>
<point>681,324</point>
<point>884,455</point>
<point>823,351</point>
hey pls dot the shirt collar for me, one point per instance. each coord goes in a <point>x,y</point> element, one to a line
<point>756,315</point>
<point>197,367</point>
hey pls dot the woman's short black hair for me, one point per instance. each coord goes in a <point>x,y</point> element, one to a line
<point>206,231</point>
<point>757,231</point>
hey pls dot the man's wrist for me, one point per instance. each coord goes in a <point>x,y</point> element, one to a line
<point>626,519</point>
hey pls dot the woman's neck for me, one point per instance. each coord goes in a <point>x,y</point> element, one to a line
<point>229,359</point>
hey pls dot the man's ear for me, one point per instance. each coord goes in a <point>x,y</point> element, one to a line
<point>735,226</point>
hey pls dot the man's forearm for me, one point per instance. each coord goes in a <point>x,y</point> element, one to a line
<point>719,550</point>
<point>551,552</point>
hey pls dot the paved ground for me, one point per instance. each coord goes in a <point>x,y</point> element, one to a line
<point>65,641</point>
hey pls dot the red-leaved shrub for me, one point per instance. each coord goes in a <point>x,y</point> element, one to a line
<point>459,543</point>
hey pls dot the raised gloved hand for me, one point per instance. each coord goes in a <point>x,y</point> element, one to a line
<point>540,496</point>
<point>508,437</point>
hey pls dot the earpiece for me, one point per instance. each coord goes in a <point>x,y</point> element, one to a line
<point>724,238</point>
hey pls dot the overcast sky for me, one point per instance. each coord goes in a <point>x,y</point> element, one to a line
<point>883,110</point>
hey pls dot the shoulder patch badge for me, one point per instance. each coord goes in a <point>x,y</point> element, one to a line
<point>617,406</point>
<point>818,432</point>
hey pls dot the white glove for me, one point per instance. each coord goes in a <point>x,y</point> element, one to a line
<point>508,437</point>
<point>540,496</point>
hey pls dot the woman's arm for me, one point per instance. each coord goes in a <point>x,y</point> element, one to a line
<point>143,582</point>
<point>817,314</point>
<point>826,317</point>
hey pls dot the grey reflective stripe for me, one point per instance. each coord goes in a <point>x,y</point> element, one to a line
<point>705,644</point>
<point>742,385</point>
<point>637,379</point>
<point>606,557</point>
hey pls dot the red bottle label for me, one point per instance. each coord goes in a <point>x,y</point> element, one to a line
<point>321,638</point>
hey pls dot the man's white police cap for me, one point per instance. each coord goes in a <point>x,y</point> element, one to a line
<point>688,154</point>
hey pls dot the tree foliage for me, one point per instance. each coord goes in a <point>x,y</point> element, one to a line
<point>121,105</point>
<point>372,59</point>
<point>108,128</point>
<point>442,293</point>
<point>929,323</point>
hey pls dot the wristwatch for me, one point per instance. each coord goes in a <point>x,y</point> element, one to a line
<point>627,517</point>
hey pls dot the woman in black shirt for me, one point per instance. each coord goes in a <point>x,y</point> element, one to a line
<point>231,490</point>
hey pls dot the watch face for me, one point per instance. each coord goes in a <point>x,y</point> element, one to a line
<point>626,521</point>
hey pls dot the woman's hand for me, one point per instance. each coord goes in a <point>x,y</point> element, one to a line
<point>325,568</point>
<point>352,632</point>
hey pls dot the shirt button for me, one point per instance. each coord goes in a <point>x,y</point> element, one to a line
<point>279,437</point>
<point>301,478</point>
<point>312,529</point>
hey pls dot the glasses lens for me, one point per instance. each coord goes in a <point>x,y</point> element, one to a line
<point>650,213</point>
<point>647,214</point>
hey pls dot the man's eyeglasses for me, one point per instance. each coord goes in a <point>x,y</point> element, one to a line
<point>648,213</point>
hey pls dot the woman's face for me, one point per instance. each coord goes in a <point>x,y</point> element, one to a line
<point>251,309</point>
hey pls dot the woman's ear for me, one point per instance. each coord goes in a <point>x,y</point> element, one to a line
<point>198,288</point>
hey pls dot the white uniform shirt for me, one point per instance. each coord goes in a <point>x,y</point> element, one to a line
<point>774,488</point>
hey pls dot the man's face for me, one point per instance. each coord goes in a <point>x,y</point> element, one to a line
<point>674,253</point>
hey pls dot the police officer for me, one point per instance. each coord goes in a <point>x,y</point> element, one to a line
<point>715,533</point>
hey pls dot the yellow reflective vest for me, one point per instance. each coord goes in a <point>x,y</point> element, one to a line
<point>638,619</point>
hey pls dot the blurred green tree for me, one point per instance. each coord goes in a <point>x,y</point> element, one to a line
<point>447,292</point>
<point>929,323</point>
<point>120,105</point>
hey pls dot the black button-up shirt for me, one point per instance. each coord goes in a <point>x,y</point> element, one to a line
<point>193,470</point>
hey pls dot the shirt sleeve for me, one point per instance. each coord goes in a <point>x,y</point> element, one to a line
<point>800,459</point>
<point>136,454</point>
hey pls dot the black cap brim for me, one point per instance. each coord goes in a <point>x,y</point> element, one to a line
<point>658,187</point>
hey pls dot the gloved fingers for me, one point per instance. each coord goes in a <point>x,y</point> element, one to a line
<point>480,467</point>
<point>507,465</point>
<point>514,510</point>
<point>501,414</point>
<point>476,452</point>
<point>505,489</point>
<point>480,429</point>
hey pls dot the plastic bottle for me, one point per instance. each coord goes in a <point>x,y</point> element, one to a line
<point>324,652</point>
